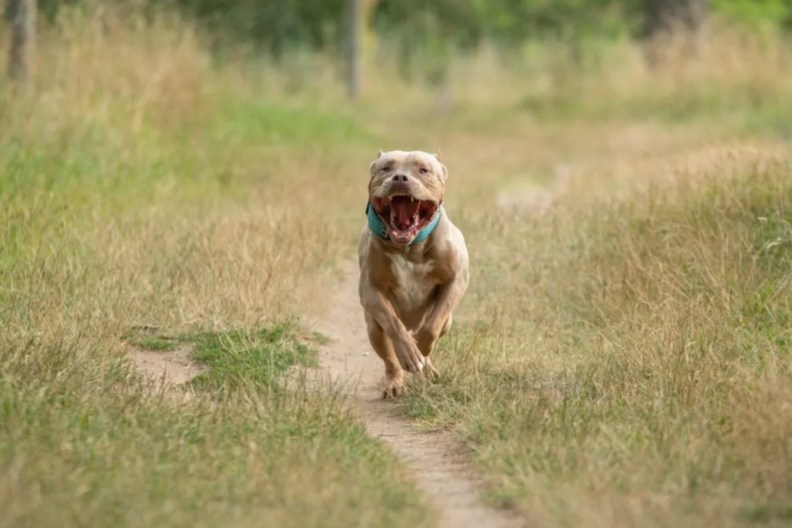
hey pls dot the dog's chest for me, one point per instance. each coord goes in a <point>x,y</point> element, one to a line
<point>414,282</point>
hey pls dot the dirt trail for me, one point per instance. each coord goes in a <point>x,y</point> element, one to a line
<point>435,459</point>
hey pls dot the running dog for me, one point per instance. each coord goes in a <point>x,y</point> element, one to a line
<point>414,266</point>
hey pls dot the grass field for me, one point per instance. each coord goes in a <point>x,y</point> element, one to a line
<point>622,357</point>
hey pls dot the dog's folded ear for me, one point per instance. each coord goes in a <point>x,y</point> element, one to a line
<point>374,163</point>
<point>444,175</point>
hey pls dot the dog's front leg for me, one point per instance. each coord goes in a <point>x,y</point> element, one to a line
<point>380,308</point>
<point>439,320</point>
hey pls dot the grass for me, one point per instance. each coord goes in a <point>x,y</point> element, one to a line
<point>235,357</point>
<point>158,344</point>
<point>134,460</point>
<point>635,367</point>
<point>139,189</point>
<point>263,356</point>
<point>622,357</point>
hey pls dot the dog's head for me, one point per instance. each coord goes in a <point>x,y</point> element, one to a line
<point>406,189</point>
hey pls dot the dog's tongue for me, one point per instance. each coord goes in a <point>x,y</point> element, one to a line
<point>404,209</point>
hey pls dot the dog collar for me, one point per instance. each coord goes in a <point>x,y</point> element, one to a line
<point>378,227</point>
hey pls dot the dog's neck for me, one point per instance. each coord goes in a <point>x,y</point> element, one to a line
<point>377,226</point>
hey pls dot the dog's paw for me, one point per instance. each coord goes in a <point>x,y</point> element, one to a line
<point>393,388</point>
<point>429,372</point>
<point>410,357</point>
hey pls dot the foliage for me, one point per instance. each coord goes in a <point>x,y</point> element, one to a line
<point>758,14</point>
<point>436,28</point>
<point>424,35</point>
<point>273,26</point>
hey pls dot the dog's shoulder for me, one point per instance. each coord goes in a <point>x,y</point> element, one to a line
<point>448,250</point>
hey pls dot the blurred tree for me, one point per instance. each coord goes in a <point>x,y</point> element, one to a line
<point>755,14</point>
<point>21,14</point>
<point>274,26</point>
<point>677,21</point>
<point>425,34</point>
<point>48,9</point>
<point>667,16</point>
<point>354,39</point>
<point>428,32</point>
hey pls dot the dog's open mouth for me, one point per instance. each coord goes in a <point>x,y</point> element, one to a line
<point>405,216</point>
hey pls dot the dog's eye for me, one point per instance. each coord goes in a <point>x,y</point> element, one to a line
<point>386,168</point>
<point>423,170</point>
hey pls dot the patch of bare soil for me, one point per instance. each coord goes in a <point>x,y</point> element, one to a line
<point>167,368</point>
<point>435,459</point>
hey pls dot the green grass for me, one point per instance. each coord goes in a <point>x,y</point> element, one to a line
<point>768,514</point>
<point>234,357</point>
<point>292,125</point>
<point>157,343</point>
<point>134,460</point>
<point>740,109</point>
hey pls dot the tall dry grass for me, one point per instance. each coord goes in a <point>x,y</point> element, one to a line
<point>141,187</point>
<point>622,357</point>
<point>624,352</point>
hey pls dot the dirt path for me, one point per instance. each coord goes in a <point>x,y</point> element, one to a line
<point>435,459</point>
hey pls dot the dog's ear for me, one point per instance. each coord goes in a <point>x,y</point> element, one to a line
<point>443,169</point>
<point>444,173</point>
<point>374,163</point>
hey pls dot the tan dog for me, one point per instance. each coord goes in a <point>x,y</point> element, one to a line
<point>413,263</point>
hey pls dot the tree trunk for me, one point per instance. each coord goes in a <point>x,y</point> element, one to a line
<point>673,29</point>
<point>670,16</point>
<point>22,17</point>
<point>354,38</point>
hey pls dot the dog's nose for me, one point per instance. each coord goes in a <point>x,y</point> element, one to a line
<point>399,178</point>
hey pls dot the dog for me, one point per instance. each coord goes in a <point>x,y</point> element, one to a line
<point>414,264</point>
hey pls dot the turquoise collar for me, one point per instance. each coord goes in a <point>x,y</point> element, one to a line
<point>378,227</point>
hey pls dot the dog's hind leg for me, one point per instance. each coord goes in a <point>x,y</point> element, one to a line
<point>426,341</point>
<point>383,346</point>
